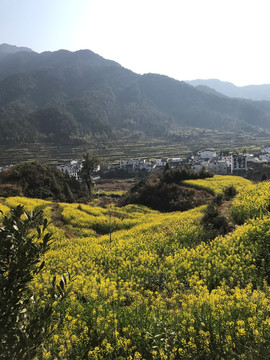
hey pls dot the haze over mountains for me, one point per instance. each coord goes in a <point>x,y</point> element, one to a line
<point>68,96</point>
<point>6,49</point>
<point>253,92</point>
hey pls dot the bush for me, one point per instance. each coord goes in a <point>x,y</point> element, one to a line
<point>214,224</point>
<point>230,192</point>
<point>164,191</point>
<point>25,320</point>
<point>218,199</point>
<point>184,173</point>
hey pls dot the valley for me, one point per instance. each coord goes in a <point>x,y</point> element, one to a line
<point>174,265</point>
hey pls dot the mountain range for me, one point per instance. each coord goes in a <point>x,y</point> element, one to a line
<point>68,96</point>
<point>253,92</point>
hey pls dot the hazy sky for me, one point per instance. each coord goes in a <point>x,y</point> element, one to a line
<point>184,39</point>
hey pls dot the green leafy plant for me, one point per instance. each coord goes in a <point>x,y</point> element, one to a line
<point>25,317</point>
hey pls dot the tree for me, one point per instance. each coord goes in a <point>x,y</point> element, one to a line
<point>89,164</point>
<point>167,167</point>
<point>25,317</point>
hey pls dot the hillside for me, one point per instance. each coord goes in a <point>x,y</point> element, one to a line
<point>166,191</point>
<point>253,92</point>
<point>149,285</point>
<point>41,181</point>
<point>64,97</point>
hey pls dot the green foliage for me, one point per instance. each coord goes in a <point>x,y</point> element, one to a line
<point>40,181</point>
<point>21,329</point>
<point>56,123</point>
<point>25,316</point>
<point>230,192</point>
<point>89,164</point>
<point>163,191</point>
<point>214,224</point>
<point>184,173</point>
<point>218,198</point>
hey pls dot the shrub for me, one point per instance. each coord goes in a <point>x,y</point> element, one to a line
<point>25,320</point>
<point>214,223</point>
<point>218,199</point>
<point>230,192</point>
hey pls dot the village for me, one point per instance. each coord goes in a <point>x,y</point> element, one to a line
<point>233,164</point>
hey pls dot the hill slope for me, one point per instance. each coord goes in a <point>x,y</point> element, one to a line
<point>146,285</point>
<point>64,96</point>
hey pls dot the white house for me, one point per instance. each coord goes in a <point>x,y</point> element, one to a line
<point>265,157</point>
<point>252,158</point>
<point>161,162</point>
<point>265,150</point>
<point>136,164</point>
<point>238,163</point>
<point>218,166</point>
<point>207,154</point>
<point>175,162</point>
<point>125,163</point>
<point>198,165</point>
<point>72,168</point>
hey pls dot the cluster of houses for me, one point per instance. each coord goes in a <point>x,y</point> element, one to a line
<point>208,158</point>
<point>235,164</point>
<point>130,166</point>
<point>74,167</point>
<point>148,165</point>
<point>223,165</point>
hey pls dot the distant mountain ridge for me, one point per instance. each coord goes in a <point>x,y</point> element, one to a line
<point>6,49</point>
<point>66,96</point>
<point>253,92</point>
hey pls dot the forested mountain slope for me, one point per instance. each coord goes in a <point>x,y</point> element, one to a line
<point>65,96</point>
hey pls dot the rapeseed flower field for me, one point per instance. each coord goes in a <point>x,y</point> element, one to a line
<point>150,285</point>
<point>218,183</point>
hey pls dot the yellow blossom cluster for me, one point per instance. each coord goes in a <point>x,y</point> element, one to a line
<point>252,201</point>
<point>28,204</point>
<point>3,209</point>
<point>218,183</point>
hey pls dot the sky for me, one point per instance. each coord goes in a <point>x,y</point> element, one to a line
<point>184,39</point>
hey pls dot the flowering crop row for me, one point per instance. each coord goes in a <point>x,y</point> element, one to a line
<point>218,183</point>
<point>252,201</point>
<point>29,204</point>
